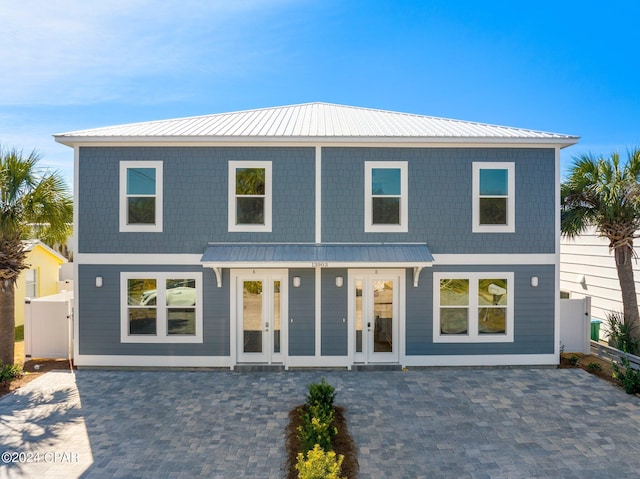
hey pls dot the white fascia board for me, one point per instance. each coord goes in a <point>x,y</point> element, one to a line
<point>418,142</point>
<point>88,360</point>
<point>482,360</point>
<point>494,259</point>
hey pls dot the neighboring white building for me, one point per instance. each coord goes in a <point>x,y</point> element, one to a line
<point>587,268</point>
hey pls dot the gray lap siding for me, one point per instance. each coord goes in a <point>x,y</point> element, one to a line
<point>440,198</point>
<point>534,310</point>
<point>99,314</point>
<point>195,198</point>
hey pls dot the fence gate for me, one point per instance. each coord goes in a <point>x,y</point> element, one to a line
<point>48,326</point>
<point>575,325</point>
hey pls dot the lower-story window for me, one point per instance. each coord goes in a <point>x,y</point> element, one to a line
<point>161,307</point>
<point>472,307</point>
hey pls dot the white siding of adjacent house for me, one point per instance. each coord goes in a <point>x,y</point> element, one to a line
<point>589,255</point>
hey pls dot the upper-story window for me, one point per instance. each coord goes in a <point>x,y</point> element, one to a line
<point>250,196</point>
<point>386,196</point>
<point>494,197</point>
<point>141,196</point>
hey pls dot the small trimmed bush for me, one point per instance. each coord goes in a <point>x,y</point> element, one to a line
<point>319,464</point>
<point>594,367</point>
<point>321,395</point>
<point>10,372</point>
<point>317,429</point>
<point>626,376</point>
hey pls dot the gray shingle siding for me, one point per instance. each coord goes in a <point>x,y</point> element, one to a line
<point>195,198</point>
<point>99,310</point>
<point>533,313</point>
<point>302,329</point>
<point>334,310</point>
<point>440,198</point>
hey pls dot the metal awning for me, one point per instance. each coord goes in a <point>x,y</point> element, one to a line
<point>310,255</point>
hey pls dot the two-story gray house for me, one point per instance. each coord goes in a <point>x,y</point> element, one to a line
<point>316,235</point>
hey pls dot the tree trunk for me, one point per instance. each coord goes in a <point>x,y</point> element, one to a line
<point>624,265</point>
<point>7,323</point>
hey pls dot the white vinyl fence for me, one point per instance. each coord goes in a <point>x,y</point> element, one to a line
<point>575,325</point>
<point>48,326</point>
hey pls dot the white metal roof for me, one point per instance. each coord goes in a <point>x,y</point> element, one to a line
<point>312,122</point>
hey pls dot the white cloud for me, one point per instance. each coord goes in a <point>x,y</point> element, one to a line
<point>74,52</point>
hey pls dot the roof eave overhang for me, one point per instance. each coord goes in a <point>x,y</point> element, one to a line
<point>417,141</point>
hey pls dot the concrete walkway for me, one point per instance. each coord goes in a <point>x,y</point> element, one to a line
<point>434,423</point>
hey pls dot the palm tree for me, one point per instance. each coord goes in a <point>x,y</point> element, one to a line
<point>605,194</point>
<point>28,196</point>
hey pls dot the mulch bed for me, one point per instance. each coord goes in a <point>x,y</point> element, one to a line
<point>342,444</point>
<point>34,368</point>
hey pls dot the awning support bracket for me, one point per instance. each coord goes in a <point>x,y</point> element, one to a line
<point>416,275</point>
<point>218,272</point>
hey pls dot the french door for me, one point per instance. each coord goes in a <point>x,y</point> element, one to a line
<point>374,306</point>
<point>260,315</point>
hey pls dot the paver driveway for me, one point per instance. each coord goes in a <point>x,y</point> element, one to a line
<point>454,423</point>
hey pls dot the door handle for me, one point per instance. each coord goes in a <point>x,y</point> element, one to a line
<point>266,326</point>
<point>368,326</point>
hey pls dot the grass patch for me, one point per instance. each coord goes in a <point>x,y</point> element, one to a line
<point>20,333</point>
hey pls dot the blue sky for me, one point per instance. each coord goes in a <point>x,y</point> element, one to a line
<point>562,66</point>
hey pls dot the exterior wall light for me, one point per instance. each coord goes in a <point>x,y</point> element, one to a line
<point>296,281</point>
<point>534,281</point>
<point>98,281</point>
<point>339,281</point>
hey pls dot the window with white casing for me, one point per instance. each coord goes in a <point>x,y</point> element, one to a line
<point>386,194</point>
<point>250,196</point>
<point>161,307</point>
<point>472,307</point>
<point>493,197</point>
<point>31,283</point>
<point>141,196</point>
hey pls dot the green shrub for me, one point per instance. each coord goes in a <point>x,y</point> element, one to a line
<point>594,367</point>
<point>620,334</point>
<point>9,372</point>
<point>321,395</point>
<point>626,376</point>
<point>319,464</point>
<point>317,429</point>
<point>574,360</point>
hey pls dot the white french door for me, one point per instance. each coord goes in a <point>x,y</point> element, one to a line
<point>375,312</point>
<point>261,299</point>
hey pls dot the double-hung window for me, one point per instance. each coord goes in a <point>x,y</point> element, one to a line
<point>141,196</point>
<point>31,283</point>
<point>386,196</point>
<point>493,197</point>
<point>472,307</point>
<point>250,196</point>
<point>161,307</point>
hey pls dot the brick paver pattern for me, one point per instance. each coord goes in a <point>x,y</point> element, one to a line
<point>428,423</point>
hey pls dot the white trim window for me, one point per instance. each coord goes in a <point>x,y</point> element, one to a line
<point>494,197</point>
<point>161,307</point>
<point>473,307</point>
<point>386,193</point>
<point>31,283</point>
<point>141,196</point>
<point>250,196</point>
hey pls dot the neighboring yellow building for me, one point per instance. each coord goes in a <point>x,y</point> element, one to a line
<point>40,278</point>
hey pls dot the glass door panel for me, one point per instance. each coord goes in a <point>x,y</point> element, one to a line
<point>374,309</point>
<point>383,314</point>
<point>358,318</point>
<point>252,317</point>
<point>276,317</point>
